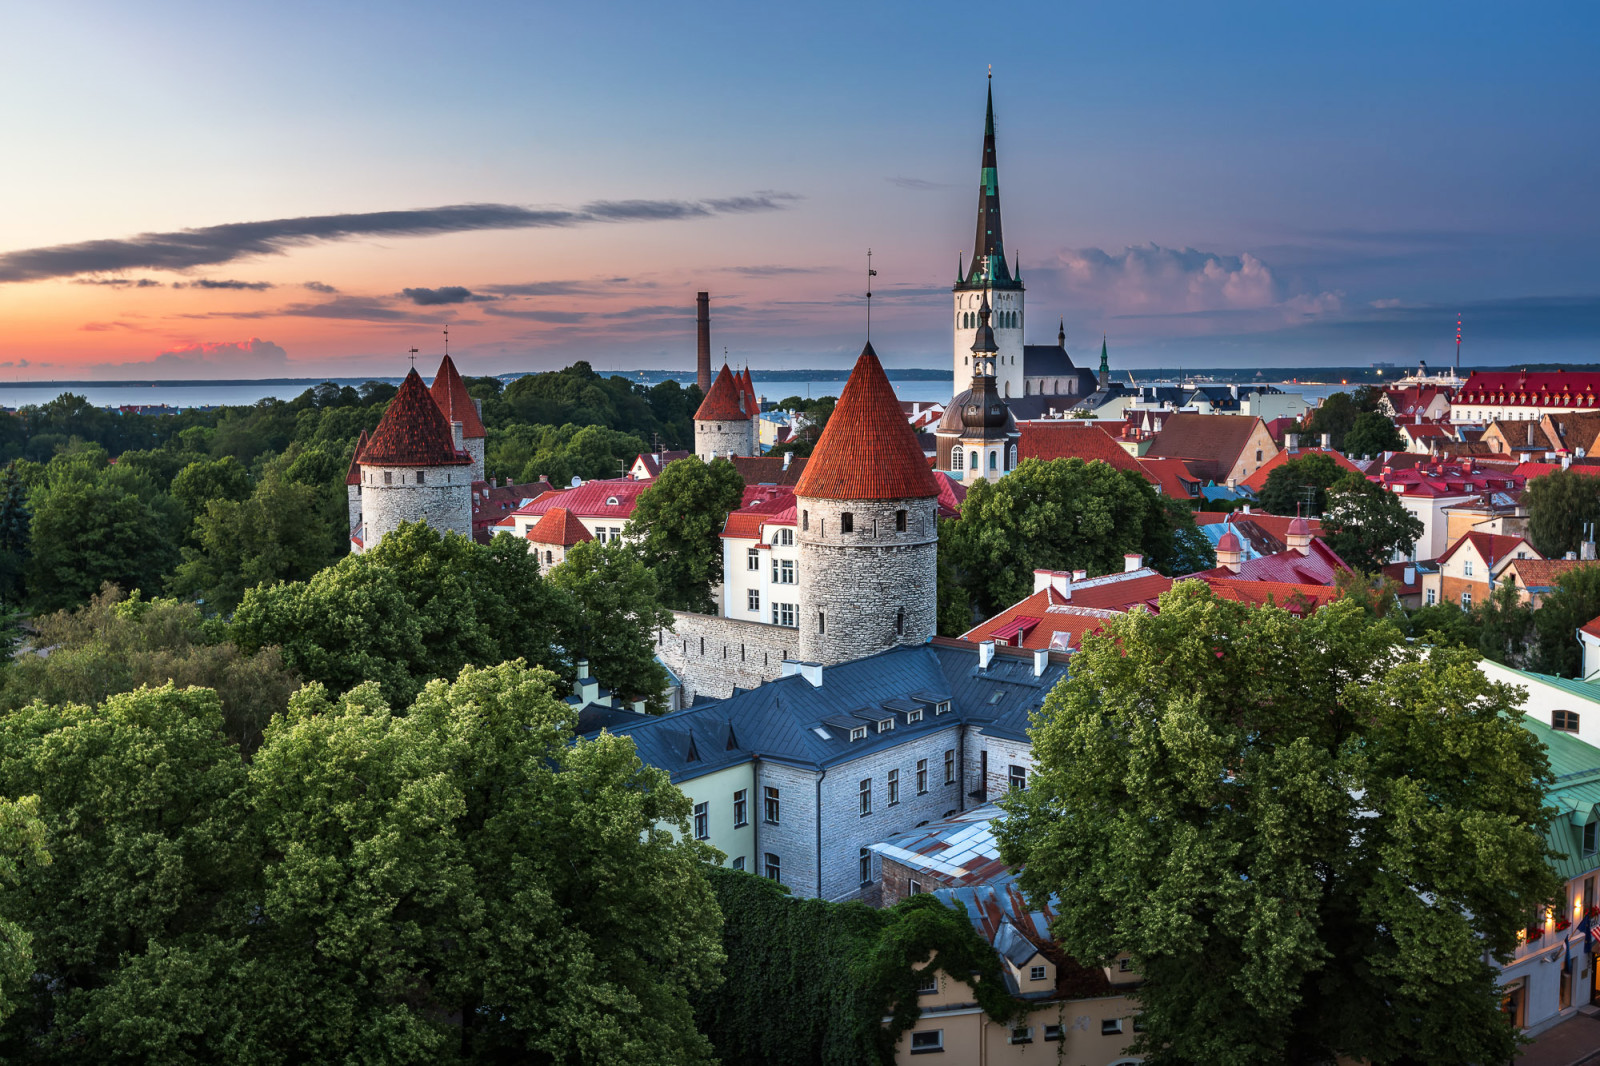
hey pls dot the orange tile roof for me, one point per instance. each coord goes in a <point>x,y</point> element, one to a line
<point>1283,594</point>
<point>1544,573</point>
<point>1258,480</point>
<point>726,401</point>
<point>450,393</point>
<point>1213,442</point>
<point>1591,627</point>
<point>867,451</point>
<point>1493,548</point>
<point>1173,477</point>
<point>559,526</point>
<point>413,432</point>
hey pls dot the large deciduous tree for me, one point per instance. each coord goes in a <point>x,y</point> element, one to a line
<point>1314,838</point>
<point>1574,603</point>
<point>1372,434</point>
<point>618,612</point>
<point>678,523</point>
<point>1300,486</point>
<point>1367,524</point>
<point>1062,514</point>
<point>1560,505</point>
<point>479,887</point>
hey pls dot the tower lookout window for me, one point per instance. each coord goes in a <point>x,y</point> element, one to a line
<point>822,622</point>
<point>419,477</point>
<point>847,522</point>
<point>900,521</point>
<point>900,622</point>
<point>805,520</point>
<point>388,477</point>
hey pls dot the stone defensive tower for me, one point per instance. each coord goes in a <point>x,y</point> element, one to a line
<point>450,393</point>
<point>868,527</point>
<point>725,424</point>
<point>415,468</point>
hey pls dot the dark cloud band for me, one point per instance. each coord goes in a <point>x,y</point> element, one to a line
<point>213,245</point>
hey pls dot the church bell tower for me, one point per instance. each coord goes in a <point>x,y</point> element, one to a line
<point>988,278</point>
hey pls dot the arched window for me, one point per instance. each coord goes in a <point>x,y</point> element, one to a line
<point>993,460</point>
<point>975,464</point>
<point>549,557</point>
<point>955,458</point>
<point>1013,464</point>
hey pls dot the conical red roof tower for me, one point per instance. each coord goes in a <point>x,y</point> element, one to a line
<point>353,475</point>
<point>868,450</point>
<point>450,393</point>
<point>413,432</point>
<point>726,401</point>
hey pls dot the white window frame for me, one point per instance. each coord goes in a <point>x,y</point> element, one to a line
<point>753,600</point>
<point>702,821</point>
<point>1021,1034</point>
<point>753,559</point>
<point>1111,1026</point>
<point>1037,973</point>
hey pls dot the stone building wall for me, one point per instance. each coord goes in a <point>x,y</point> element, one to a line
<point>711,655</point>
<point>1003,754</point>
<point>737,437</point>
<point>794,837</point>
<point>845,830</point>
<point>443,499</point>
<point>354,492</point>
<point>473,446</point>
<point>853,585</point>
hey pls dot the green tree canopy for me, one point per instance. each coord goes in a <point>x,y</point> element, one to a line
<point>1367,524</point>
<point>21,841</point>
<point>1372,434</point>
<point>1337,414</point>
<point>1313,838</point>
<point>678,522</point>
<point>1300,486</point>
<point>1574,604</point>
<point>1063,514</point>
<point>417,606</point>
<point>618,611</point>
<point>1560,504</point>
<point>117,644</point>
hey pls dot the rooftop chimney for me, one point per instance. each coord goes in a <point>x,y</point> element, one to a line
<point>1041,661</point>
<point>985,654</point>
<point>1327,440</point>
<point>702,316</point>
<point>1291,442</point>
<point>1061,582</point>
<point>583,669</point>
<point>1132,561</point>
<point>1080,575</point>
<point>812,672</point>
<point>786,457</point>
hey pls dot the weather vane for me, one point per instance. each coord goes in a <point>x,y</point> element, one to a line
<point>413,359</point>
<point>870,275</point>
<point>447,341</point>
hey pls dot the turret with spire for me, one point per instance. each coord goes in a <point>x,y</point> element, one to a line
<point>977,436</point>
<point>989,279</point>
<point>1105,364</point>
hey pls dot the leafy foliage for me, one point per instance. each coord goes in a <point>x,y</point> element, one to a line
<point>21,841</point>
<point>115,644</point>
<point>1337,414</point>
<point>1372,434</point>
<point>1560,504</point>
<point>1300,486</point>
<point>1367,524</point>
<point>810,982</point>
<point>1331,835</point>
<point>677,521</point>
<point>1059,515</point>
<point>618,610</point>
<point>1574,603</point>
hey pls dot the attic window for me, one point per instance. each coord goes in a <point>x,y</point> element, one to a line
<point>611,501</point>
<point>823,733</point>
<point>943,707</point>
<point>995,698</point>
<point>1564,721</point>
<point>858,733</point>
<point>914,716</point>
<point>885,724</point>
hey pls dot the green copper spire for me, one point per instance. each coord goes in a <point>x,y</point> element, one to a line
<point>988,247</point>
<point>1105,364</point>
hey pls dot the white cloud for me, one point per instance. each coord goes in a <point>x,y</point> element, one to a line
<point>252,358</point>
<point>1149,279</point>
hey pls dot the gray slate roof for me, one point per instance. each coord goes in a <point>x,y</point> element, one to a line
<point>790,721</point>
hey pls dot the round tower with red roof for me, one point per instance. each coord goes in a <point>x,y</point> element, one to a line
<point>414,468</point>
<point>868,528</point>
<point>450,393</point>
<point>725,424</point>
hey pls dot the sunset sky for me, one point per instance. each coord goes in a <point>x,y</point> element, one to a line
<point>287,189</point>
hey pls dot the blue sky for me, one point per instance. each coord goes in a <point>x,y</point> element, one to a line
<point>1236,184</point>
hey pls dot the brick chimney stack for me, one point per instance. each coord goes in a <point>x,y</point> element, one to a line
<point>702,304</point>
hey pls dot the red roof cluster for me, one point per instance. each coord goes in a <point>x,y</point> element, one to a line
<point>1518,388</point>
<point>413,432</point>
<point>450,393</point>
<point>592,499</point>
<point>867,451</point>
<point>728,401</point>
<point>1047,440</point>
<point>1258,480</point>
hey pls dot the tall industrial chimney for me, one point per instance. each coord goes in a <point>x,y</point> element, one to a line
<point>702,303</point>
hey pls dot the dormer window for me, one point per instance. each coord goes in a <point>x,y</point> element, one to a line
<point>885,724</point>
<point>942,707</point>
<point>914,716</point>
<point>611,501</point>
<point>858,733</point>
<point>1564,721</point>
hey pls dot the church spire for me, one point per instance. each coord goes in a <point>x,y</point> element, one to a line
<point>1061,334</point>
<point>1105,364</point>
<point>988,249</point>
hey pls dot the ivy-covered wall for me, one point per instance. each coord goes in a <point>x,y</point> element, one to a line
<point>809,982</point>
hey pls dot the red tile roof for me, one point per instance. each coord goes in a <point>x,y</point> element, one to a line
<point>1286,594</point>
<point>1288,566</point>
<point>654,461</point>
<point>591,499</point>
<point>1276,525</point>
<point>1591,627</point>
<point>353,475</point>
<point>1544,573</point>
<point>867,451</point>
<point>1173,477</point>
<point>761,505</point>
<point>450,393</point>
<point>413,432</point>
<point>1514,388</point>
<point>1258,480</point>
<point>491,503</point>
<point>559,526</point>
<point>1492,548</point>
<point>767,469</point>
<point>1045,440</point>
<point>726,401</point>
<point>952,494</point>
<point>1397,573</point>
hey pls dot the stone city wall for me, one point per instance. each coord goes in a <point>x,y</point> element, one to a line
<point>712,655</point>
